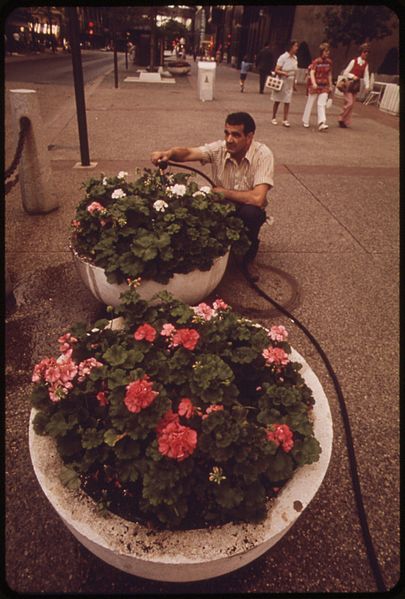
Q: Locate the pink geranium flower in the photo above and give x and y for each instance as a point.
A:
(40, 368)
(102, 398)
(281, 434)
(167, 330)
(169, 417)
(275, 356)
(57, 374)
(86, 366)
(188, 338)
(66, 342)
(177, 441)
(219, 304)
(95, 207)
(139, 394)
(145, 331)
(186, 408)
(57, 392)
(278, 333)
(204, 311)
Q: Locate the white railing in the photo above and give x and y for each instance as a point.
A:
(390, 99)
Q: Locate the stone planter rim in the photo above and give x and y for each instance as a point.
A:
(180, 284)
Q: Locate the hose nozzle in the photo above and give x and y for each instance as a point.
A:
(162, 164)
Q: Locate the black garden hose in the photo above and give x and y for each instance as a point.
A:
(346, 423)
(163, 164)
(343, 408)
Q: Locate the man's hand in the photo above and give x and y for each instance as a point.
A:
(160, 155)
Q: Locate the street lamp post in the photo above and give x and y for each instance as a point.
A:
(78, 83)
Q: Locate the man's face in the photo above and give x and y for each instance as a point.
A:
(237, 143)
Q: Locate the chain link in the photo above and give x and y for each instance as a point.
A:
(25, 124)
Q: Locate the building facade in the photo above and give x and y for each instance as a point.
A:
(244, 29)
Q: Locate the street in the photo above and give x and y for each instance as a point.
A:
(335, 204)
(51, 76)
(57, 70)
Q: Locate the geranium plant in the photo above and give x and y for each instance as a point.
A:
(153, 227)
(182, 417)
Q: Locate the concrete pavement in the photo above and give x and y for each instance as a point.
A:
(331, 255)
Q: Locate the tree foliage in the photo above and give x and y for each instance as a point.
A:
(356, 24)
(172, 29)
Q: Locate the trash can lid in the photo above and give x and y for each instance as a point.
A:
(207, 65)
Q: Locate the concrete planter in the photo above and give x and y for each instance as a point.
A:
(183, 556)
(179, 70)
(191, 288)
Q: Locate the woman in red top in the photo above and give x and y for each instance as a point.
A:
(319, 87)
(356, 70)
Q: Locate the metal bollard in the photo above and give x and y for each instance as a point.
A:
(35, 176)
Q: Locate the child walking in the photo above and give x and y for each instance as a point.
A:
(244, 68)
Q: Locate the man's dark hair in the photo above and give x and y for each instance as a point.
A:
(242, 118)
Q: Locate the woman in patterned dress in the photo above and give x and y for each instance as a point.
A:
(286, 68)
(319, 87)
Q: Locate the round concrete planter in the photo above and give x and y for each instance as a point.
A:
(190, 288)
(183, 556)
(179, 70)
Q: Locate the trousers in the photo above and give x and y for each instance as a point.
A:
(253, 218)
(346, 114)
(321, 103)
(262, 79)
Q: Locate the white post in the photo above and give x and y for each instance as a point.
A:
(35, 175)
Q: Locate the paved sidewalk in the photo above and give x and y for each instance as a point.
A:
(334, 246)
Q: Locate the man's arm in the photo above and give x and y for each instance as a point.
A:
(254, 197)
(177, 154)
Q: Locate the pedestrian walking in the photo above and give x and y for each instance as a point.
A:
(242, 171)
(264, 64)
(319, 87)
(245, 67)
(286, 68)
(132, 52)
(356, 70)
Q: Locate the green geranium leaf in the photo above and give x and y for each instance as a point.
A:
(57, 425)
(116, 355)
(92, 438)
(306, 451)
(69, 478)
(128, 471)
(280, 467)
(228, 496)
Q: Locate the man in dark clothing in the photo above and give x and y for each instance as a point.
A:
(264, 63)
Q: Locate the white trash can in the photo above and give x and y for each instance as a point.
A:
(206, 80)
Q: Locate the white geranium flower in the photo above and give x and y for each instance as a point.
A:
(122, 175)
(205, 189)
(177, 189)
(104, 180)
(160, 205)
(118, 193)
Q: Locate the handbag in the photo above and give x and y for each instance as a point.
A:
(274, 82)
(342, 85)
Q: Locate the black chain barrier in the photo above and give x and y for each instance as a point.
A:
(25, 124)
